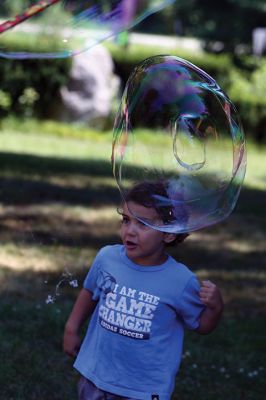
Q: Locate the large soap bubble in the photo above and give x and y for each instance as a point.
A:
(76, 25)
(177, 128)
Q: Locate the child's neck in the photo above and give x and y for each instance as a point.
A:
(150, 261)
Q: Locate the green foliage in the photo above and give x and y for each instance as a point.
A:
(247, 91)
(12, 124)
(242, 78)
(33, 84)
(27, 101)
(55, 16)
(229, 21)
(215, 65)
(5, 102)
(14, 7)
(11, 8)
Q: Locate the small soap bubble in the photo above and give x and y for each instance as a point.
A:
(73, 283)
(67, 277)
(49, 299)
(76, 25)
(177, 130)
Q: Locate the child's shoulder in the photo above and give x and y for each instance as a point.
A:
(109, 250)
(179, 277)
(180, 269)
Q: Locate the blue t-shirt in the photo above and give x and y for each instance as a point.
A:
(134, 341)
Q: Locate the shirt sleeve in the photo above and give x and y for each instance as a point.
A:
(190, 306)
(91, 281)
(95, 279)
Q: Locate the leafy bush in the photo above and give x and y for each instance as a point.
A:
(243, 79)
(247, 91)
(5, 102)
(32, 85)
(14, 7)
(215, 65)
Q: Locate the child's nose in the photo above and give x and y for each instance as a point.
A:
(131, 229)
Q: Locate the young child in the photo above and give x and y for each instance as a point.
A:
(140, 301)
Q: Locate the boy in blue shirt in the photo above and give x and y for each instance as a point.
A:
(140, 301)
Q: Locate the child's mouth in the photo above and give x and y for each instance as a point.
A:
(130, 245)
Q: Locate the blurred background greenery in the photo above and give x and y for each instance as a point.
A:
(224, 33)
(58, 204)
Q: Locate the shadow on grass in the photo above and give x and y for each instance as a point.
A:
(252, 201)
(15, 191)
(47, 165)
(35, 229)
(25, 181)
(44, 166)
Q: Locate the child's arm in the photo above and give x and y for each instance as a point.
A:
(210, 296)
(82, 309)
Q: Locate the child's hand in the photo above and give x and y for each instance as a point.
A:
(210, 295)
(71, 343)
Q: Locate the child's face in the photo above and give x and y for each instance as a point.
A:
(144, 245)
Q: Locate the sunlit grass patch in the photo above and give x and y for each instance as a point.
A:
(79, 142)
(256, 166)
(51, 128)
(52, 145)
(52, 237)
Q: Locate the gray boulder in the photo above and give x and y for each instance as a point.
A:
(91, 95)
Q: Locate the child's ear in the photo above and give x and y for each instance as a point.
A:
(169, 237)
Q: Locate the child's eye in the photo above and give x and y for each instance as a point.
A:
(125, 220)
(141, 223)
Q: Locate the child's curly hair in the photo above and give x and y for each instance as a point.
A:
(146, 194)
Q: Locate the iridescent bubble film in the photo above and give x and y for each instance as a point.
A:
(75, 26)
(177, 128)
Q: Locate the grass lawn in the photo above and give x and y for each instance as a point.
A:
(57, 208)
